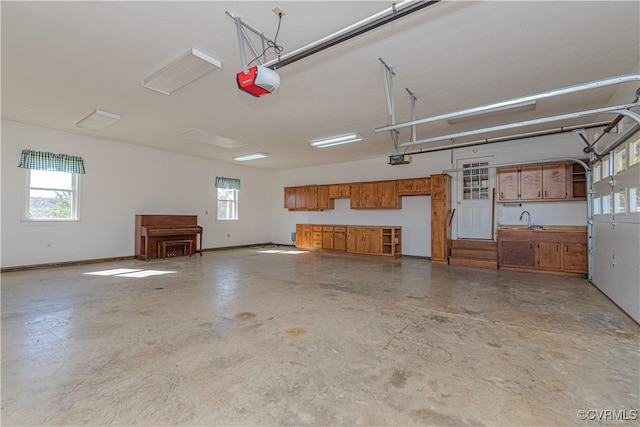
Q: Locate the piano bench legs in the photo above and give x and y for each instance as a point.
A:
(187, 245)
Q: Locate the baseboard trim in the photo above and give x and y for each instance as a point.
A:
(120, 258)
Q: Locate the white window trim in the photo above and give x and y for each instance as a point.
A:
(26, 188)
(235, 204)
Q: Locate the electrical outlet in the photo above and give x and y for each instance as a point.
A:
(278, 11)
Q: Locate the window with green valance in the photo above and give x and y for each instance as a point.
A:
(41, 160)
(227, 183)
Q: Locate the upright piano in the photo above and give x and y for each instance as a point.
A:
(154, 229)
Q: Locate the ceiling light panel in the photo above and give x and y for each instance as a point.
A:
(252, 156)
(200, 135)
(98, 120)
(186, 69)
(336, 140)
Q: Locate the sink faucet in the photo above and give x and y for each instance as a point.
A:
(530, 225)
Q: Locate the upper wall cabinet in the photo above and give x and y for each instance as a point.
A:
(414, 187)
(375, 195)
(307, 198)
(540, 182)
(363, 195)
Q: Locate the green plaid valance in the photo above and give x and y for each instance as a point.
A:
(227, 183)
(44, 161)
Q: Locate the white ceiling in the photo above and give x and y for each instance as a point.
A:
(63, 60)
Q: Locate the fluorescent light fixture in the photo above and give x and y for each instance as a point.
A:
(336, 140)
(252, 156)
(184, 70)
(98, 120)
(506, 109)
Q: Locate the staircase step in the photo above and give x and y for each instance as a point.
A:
(474, 262)
(475, 253)
(474, 244)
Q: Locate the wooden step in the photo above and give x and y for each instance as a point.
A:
(474, 262)
(474, 244)
(475, 253)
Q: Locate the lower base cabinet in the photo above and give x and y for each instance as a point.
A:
(380, 241)
(543, 251)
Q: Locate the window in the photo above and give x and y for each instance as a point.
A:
(51, 193)
(620, 201)
(620, 159)
(228, 189)
(606, 204)
(51, 196)
(597, 206)
(227, 204)
(634, 149)
(597, 172)
(634, 200)
(475, 182)
(606, 167)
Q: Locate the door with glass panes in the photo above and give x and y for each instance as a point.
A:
(475, 185)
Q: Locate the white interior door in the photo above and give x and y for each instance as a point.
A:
(475, 184)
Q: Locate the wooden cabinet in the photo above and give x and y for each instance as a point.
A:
(307, 198)
(362, 195)
(549, 255)
(508, 184)
(339, 191)
(375, 240)
(414, 187)
(554, 181)
(441, 216)
(574, 257)
(541, 182)
(375, 195)
(340, 238)
(304, 234)
(550, 251)
(382, 241)
(515, 253)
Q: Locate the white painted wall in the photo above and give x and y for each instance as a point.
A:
(415, 217)
(122, 180)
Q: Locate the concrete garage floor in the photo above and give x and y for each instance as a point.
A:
(253, 337)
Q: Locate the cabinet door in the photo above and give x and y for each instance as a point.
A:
(301, 198)
(327, 238)
(355, 196)
(508, 184)
(531, 182)
(339, 241)
(354, 237)
(371, 242)
(368, 195)
(554, 181)
(422, 186)
(312, 196)
(324, 202)
(549, 255)
(388, 194)
(290, 197)
(574, 257)
(405, 186)
(299, 235)
(517, 254)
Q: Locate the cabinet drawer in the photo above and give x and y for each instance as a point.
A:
(340, 229)
(316, 243)
(317, 228)
(371, 230)
(317, 235)
(325, 228)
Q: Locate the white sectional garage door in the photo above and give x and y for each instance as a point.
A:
(616, 228)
